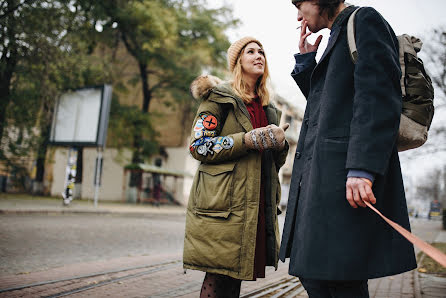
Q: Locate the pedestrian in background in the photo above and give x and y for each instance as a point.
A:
(346, 156)
(231, 223)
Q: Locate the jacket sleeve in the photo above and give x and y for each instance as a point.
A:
(305, 63)
(206, 143)
(377, 101)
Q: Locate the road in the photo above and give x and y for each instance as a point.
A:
(33, 242)
(139, 255)
(38, 242)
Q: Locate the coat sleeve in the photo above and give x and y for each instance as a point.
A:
(305, 63)
(206, 143)
(377, 102)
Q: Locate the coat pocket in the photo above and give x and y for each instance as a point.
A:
(215, 187)
(338, 144)
(212, 241)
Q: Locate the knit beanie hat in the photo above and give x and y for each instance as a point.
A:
(235, 49)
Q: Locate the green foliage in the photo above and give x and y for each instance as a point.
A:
(48, 41)
(49, 46)
(172, 41)
(132, 129)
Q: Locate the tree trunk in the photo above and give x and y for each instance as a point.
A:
(8, 63)
(37, 188)
(135, 177)
(7, 67)
(147, 94)
(4, 101)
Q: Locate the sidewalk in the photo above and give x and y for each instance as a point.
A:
(410, 284)
(19, 204)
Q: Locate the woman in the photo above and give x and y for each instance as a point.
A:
(231, 223)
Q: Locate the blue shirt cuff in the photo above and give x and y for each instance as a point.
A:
(303, 61)
(361, 174)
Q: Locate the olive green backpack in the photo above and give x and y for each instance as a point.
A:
(416, 88)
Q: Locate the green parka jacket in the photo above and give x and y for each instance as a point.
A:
(222, 212)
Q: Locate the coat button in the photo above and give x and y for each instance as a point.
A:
(298, 155)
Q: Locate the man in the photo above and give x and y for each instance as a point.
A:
(346, 156)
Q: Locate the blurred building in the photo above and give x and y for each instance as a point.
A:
(293, 116)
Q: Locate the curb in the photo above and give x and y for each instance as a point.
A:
(90, 212)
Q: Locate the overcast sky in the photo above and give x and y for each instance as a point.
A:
(274, 24)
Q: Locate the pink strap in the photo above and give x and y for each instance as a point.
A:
(431, 251)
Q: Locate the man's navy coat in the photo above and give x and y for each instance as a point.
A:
(351, 122)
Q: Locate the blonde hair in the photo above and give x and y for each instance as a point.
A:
(241, 88)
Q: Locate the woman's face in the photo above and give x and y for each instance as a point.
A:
(253, 60)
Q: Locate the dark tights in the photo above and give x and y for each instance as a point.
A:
(217, 285)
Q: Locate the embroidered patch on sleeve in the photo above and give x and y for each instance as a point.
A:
(198, 125)
(208, 133)
(207, 145)
(225, 142)
(217, 148)
(210, 122)
(205, 148)
(198, 134)
(204, 133)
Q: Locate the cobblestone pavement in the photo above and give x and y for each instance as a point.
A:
(126, 252)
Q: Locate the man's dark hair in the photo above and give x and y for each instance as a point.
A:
(329, 6)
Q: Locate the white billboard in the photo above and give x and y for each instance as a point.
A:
(81, 117)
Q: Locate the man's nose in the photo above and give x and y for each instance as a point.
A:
(299, 17)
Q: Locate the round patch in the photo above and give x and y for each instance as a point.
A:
(227, 143)
(210, 122)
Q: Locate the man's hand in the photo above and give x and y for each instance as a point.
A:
(304, 45)
(359, 190)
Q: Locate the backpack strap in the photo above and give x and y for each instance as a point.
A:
(351, 36)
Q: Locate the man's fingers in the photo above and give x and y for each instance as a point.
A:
(285, 126)
(318, 41)
(370, 194)
(303, 29)
(369, 191)
(357, 197)
(350, 197)
(364, 195)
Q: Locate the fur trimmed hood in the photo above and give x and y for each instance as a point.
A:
(203, 85)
